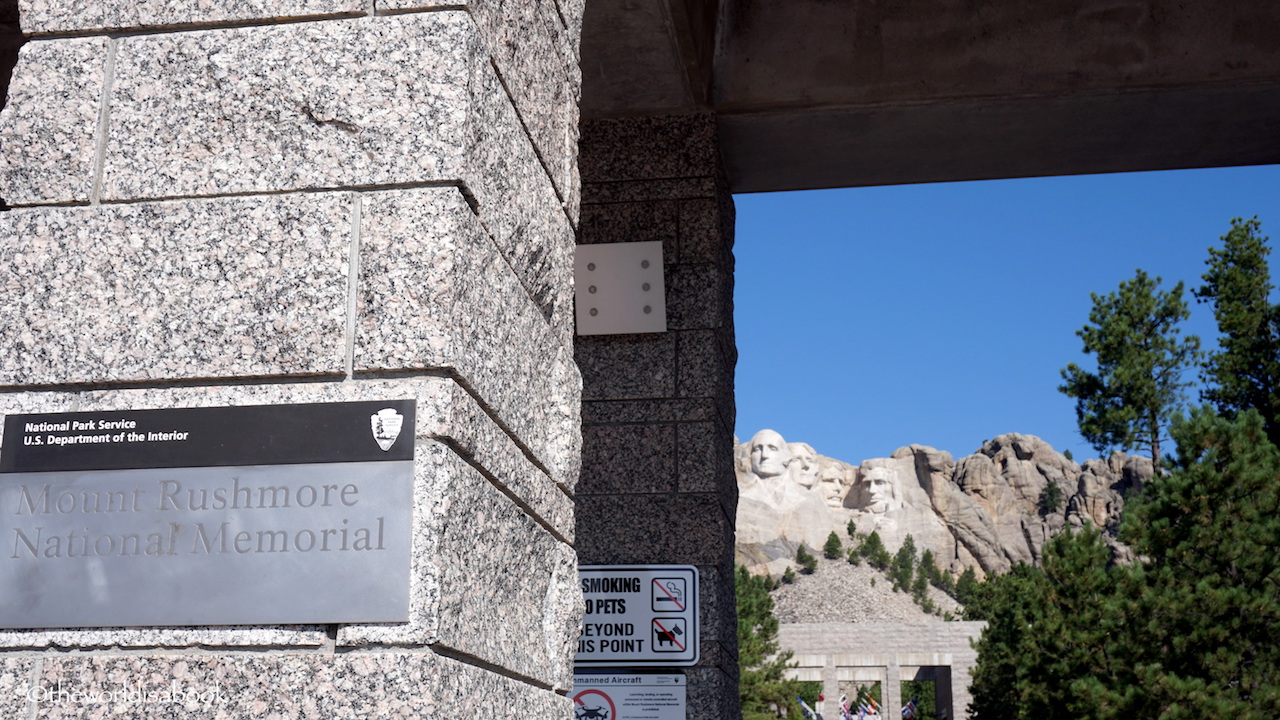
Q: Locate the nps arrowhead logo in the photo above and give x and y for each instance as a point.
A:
(386, 424)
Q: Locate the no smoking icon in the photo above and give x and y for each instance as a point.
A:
(669, 595)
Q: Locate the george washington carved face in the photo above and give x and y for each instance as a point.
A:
(770, 455)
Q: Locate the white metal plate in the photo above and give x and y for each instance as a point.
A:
(619, 288)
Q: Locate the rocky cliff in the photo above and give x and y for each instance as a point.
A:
(982, 511)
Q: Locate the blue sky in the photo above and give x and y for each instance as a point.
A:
(872, 318)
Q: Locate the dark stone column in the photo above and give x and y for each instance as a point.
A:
(657, 482)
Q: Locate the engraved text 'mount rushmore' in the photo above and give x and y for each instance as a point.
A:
(979, 512)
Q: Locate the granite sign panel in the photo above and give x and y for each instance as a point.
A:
(254, 515)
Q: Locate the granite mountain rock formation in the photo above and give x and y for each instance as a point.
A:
(982, 511)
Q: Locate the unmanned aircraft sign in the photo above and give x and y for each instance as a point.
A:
(639, 615)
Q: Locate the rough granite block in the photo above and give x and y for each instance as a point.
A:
(434, 292)
(500, 20)
(401, 99)
(214, 288)
(629, 459)
(508, 591)
(50, 122)
(683, 528)
(646, 410)
(717, 618)
(702, 232)
(564, 440)
(445, 411)
(698, 296)
(529, 52)
(649, 148)
(48, 16)
(702, 460)
(571, 13)
(643, 190)
(15, 680)
(712, 694)
(618, 367)
(655, 221)
(284, 686)
(567, 28)
(703, 370)
(367, 101)
(519, 206)
(479, 438)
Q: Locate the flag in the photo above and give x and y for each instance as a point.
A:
(808, 711)
(909, 710)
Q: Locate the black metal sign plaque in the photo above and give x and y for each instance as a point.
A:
(279, 514)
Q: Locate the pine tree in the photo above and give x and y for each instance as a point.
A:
(1186, 631)
(1138, 386)
(966, 586)
(874, 551)
(1050, 499)
(762, 686)
(903, 566)
(929, 568)
(832, 550)
(1210, 606)
(788, 575)
(1050, 634)
(808, 563)
(920, 589)
(1245, 371)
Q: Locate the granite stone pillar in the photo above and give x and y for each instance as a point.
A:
(288, 201)
(892, 694)
(657, 482)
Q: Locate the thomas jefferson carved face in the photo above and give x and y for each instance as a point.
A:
(804, 464)
(770, 455)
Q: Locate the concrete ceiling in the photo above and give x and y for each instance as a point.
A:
(837, 93)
